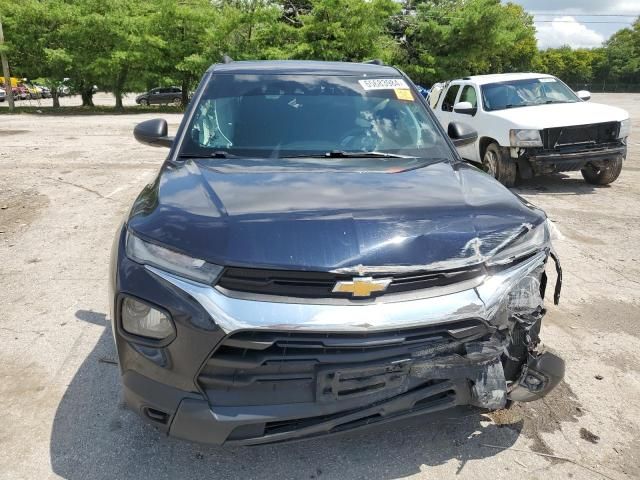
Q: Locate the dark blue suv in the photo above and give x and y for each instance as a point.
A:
(314, 256)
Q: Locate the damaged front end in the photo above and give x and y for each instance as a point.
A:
(292, 368)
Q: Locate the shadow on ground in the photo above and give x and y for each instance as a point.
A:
(94, 436)
(559, 183)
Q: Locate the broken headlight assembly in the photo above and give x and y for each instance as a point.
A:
(528, 241)
(625, 128)
(525, 138)
(171, 261)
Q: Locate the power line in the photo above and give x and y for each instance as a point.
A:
(563, 14)
(584, 21)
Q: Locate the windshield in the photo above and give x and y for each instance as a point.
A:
(524, 93)
(279, 116)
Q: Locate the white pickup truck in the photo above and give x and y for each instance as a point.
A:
(530, 124)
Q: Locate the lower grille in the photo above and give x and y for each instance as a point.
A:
(270, 368)
(580, 135)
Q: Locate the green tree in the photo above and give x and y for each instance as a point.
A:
(349, 30)
(443, 39)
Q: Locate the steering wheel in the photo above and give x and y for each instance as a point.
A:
(356, 139)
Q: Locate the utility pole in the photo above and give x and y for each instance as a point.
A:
(5, 71)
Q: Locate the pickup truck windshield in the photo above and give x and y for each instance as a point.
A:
(281, 116)
(525, 93)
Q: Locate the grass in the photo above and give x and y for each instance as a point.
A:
(97, 110)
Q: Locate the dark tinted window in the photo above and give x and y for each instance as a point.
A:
(450, 98)
(286, 115)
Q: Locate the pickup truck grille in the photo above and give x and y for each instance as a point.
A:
(320, 284)
(268, 367)
(580, 135)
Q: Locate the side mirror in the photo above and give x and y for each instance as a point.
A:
(461, 134)
(584, 95)
(153, 133)
(465, 108)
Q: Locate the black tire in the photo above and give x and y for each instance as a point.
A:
(176, 101)
(497, 162)
(603, 175)
(144, 102)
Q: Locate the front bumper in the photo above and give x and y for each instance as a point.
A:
(572, 158)
(164, 383)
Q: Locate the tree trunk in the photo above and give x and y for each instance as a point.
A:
(121, 78)
(87, 96)
(185, 90)
(56, 98)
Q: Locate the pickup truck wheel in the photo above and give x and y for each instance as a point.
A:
(603, 175)
(498, 164)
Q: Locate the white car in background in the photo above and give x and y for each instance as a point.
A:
(530, 124)
(3, 94)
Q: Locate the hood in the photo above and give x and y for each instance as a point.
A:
(438, 216)
(561, 115)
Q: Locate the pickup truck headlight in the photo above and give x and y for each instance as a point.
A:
(625, 128)
(525, 138)
(171, 261)
(530, 240)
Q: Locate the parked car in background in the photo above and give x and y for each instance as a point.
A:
(34, 92)
(530, 124)
(22, 92)
(314, 257)
(44, 91)
(3, 94)
(160, 95)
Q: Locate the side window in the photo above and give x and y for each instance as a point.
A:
(469, 95)
(450, 98)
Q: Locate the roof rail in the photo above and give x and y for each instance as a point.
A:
(375, 61)
(226, 59)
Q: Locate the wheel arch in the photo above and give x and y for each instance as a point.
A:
(483, 143)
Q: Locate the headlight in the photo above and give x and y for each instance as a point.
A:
(526, 243)
(151, 254)
(140, 319)
(525, 138)
(625, 128)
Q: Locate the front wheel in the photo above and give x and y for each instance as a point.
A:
(144, 102)
(603, 175)
(498, 164)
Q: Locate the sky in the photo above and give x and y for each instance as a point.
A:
(570, 22)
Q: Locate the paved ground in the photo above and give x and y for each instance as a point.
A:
(65, 183)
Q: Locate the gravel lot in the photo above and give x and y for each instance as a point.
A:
(65, 184)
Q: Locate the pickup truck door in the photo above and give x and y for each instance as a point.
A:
(444, 109)
(468, 93)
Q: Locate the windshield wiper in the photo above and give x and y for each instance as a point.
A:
(216, 154)
(345, 154)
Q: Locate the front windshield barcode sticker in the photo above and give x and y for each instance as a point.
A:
(383, 84)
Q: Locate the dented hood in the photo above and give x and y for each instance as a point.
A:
(555, 115)
(316, 219)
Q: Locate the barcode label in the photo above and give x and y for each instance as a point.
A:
(383, 83)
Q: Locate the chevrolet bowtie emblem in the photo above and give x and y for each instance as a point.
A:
(362, 286)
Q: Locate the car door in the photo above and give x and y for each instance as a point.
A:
(468, 93)
(445, 108)
(155, 95)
